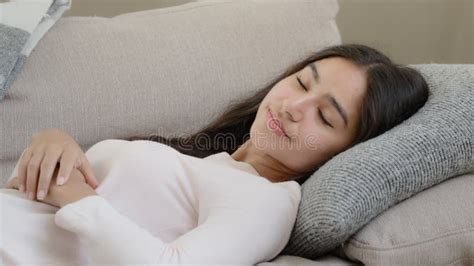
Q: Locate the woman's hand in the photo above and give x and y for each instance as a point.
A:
(48, 149)
(59, 196)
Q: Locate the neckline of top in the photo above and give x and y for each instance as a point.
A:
(225, 156)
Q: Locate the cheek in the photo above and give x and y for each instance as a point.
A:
(313, 149)
(280, 91)
(312, 138)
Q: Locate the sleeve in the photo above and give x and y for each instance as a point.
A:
(102, 155)
(227, 236)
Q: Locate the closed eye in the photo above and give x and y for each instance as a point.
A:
(301, 84)
(324, 119)
(319, 110)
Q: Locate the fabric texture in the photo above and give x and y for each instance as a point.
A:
(151, 71)
(22, 25)
(358, 184)
(287, 260)
(434, 227)
(155, 205)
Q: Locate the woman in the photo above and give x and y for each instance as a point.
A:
(236, 204)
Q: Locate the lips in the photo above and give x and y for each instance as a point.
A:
(278, 123)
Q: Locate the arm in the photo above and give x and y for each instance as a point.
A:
(228, 235)
(58, 196)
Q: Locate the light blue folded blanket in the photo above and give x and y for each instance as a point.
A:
(22, 24)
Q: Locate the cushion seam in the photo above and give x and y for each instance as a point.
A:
(164, 12)
(360, 244)
(461, 259)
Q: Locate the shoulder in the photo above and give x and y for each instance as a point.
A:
(271, 218)
(108, 145)
(291, 189)
(114, 146)
(276, 201)
(286, 195)
(114, 149)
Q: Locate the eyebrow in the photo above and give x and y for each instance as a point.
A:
(314, 71)
(329, 97)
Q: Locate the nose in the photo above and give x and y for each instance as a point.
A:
(297, 108)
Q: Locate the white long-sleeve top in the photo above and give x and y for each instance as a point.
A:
(158, 206)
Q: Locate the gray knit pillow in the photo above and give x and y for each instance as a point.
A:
(358, 184)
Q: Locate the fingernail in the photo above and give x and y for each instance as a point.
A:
(22, 188)
(60, 181)
(30, 195)
(41, 195)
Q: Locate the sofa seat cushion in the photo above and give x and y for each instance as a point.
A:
(434, 227)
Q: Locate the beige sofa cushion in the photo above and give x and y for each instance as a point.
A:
(434, 227)
(166, 71)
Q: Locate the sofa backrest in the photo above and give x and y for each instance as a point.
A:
(168, 71)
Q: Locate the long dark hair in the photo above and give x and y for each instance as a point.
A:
(394, 93)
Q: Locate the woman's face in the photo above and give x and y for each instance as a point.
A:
(319, 122)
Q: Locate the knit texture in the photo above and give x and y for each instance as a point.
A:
(12, 41)
(16, 44)
(358, 184)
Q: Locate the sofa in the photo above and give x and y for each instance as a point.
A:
(170, 71)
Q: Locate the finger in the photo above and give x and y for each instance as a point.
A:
(88, 172)
(48, 165)
(32, 174)
(68, 159)
(22, 168)
(78, 163)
